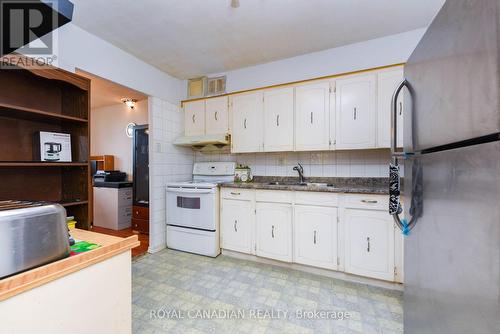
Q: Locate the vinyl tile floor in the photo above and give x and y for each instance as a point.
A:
(176, 292)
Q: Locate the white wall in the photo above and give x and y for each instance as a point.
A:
(364, 55)
(107, 132)
(80, 49)
(167, 163)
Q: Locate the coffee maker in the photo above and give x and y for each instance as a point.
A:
(51, 151)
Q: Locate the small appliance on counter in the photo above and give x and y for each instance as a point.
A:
(243, 174)
(109, 176)
(31, 234)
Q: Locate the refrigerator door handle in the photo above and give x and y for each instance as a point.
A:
(395, 208)
(394, 118)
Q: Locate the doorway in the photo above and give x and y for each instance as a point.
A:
(120, 161)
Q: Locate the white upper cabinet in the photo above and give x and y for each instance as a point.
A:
(387, 83)
(369, 243)
(278, 119)
(194, 118)
(247, 128)
(355, 112)
(216, 115)
(312, 104)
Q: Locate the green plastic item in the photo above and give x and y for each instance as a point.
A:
(83, 246)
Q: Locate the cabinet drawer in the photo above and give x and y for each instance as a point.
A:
(369, 201)
(141, 212)
(315, 198)
(140, 225)
(125, 197)
(274, 196)
(236, 193)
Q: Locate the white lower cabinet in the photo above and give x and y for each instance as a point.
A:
(237, 225)
(274, 231)
(369, 243)
(315, 236)
(345, 232)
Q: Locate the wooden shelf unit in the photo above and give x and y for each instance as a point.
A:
(52, 100)
(104, 162)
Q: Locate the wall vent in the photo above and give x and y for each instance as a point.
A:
(216, 86)
(196, 87)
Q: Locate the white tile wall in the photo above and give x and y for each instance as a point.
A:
(167, 163)
(360, 163)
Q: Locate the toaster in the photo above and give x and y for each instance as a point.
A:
(31, 234)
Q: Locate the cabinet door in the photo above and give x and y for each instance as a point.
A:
(274, 231)
(369, 243)
(216, 115)
(278, 120)
(312, 104)
(355, 112)
(247, 132)
(315, 236)
(387, 83)
(237, 225)
(194, 118)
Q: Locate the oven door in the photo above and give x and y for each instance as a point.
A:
(191, 208)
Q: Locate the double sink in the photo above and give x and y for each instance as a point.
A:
(303, 184)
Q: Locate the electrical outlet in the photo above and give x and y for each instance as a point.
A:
(282, 160)
(316, 158)
(158, 147)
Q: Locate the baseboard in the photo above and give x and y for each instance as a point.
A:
(317, 271)
(157, 248)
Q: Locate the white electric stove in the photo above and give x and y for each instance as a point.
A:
(193, 209)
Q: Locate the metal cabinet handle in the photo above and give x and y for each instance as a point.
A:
(233, 193)
(277, 120)
(400, 108)
(311, 117)
(394, 117)
(368, 244)
(235, 227)
(272, 232)
(193, 117)
(369, 201)
(245, 123)
(215, 115)
(355, 113)
(314, 237)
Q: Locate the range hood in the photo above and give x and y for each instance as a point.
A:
(219, 140)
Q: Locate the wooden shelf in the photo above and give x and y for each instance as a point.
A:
(50, 100)
(44, 164)
(74, 203)
(9, 110)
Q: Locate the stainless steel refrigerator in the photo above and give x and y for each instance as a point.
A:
(451, 158)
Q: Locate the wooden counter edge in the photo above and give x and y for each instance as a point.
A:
(28, 280)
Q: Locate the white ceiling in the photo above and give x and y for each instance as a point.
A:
(189, 38)
(104, 93)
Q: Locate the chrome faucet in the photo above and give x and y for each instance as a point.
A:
(300, 170)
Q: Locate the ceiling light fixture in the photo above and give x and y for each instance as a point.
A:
(131, 103)
(235, 3)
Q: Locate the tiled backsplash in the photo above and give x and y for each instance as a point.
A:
(361, 163)
(167, 163)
